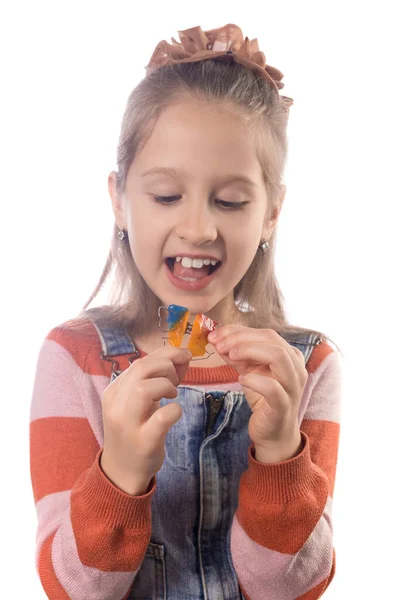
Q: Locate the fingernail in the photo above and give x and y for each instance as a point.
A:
(187, 352)
(212, 336)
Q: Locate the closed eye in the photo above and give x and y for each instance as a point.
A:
(223, 203)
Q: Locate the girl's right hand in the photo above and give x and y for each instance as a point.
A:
(135, 426)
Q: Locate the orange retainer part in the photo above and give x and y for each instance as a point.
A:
(201, 327)
(175, 335)
(177, 326)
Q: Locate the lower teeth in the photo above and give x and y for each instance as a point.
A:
(187, 278)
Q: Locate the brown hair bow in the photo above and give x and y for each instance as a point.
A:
(223, 43)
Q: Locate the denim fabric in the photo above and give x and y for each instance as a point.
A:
(189, 555)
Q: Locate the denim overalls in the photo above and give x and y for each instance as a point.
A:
(206, 452)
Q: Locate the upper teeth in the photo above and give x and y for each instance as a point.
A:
(197, 263)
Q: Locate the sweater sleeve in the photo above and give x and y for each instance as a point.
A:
(91, 536)
(281, 536)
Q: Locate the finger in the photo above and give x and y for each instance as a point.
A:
(162, 420)
(180, 358)
(145, 398)
(177, 355)
(149, 367)
(230, 335)
(223, 331)
(268, 388)
(235, 335)
(275, 357)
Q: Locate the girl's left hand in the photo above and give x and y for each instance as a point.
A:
(273, 376)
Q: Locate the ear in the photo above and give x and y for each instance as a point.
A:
(116, 200)
(270, 225)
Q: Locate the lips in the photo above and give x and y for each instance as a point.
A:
(191, 286)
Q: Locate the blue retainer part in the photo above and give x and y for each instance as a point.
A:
(175, 313)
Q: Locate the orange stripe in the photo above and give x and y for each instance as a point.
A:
(126, 546)
(61, 448)
(318, 355)
(283, 527)
(48, 578)
(84, 345)
(245, 596)
(316, 592)
(324, 443)
(77, 341)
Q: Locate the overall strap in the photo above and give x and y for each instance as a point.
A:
(114, 342)
(303, 341)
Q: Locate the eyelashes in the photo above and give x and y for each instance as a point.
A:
(167, 200)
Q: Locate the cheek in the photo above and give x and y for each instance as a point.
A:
(240, 260)
(147, 232)
(145, 250)
(243, 253)
(245, 262)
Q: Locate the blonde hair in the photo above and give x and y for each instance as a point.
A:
(132, 305)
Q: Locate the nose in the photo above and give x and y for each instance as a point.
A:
(196, 225)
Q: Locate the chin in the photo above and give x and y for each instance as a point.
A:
(194, 305)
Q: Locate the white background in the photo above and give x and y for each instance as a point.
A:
(66, 72)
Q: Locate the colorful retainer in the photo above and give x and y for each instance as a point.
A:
(175, 321)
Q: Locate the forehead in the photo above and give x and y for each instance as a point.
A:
(195, 136)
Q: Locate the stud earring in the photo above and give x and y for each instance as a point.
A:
(264, 246)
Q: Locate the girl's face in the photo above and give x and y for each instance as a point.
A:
(201, 163)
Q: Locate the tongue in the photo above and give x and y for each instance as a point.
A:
(180, 271)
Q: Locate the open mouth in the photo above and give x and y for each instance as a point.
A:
(211, 268)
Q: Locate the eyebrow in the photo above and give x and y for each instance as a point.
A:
(174, 173)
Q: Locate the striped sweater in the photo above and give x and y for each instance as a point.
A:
(92, 536)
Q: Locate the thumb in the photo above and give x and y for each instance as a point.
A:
(163, 419)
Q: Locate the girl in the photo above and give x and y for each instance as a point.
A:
(156, 475)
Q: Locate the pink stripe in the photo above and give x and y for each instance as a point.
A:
(95, 384)
(78, 394)
(50, 511)
(79, 581)
(323, 391)
(60, 378)
(268, 575)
